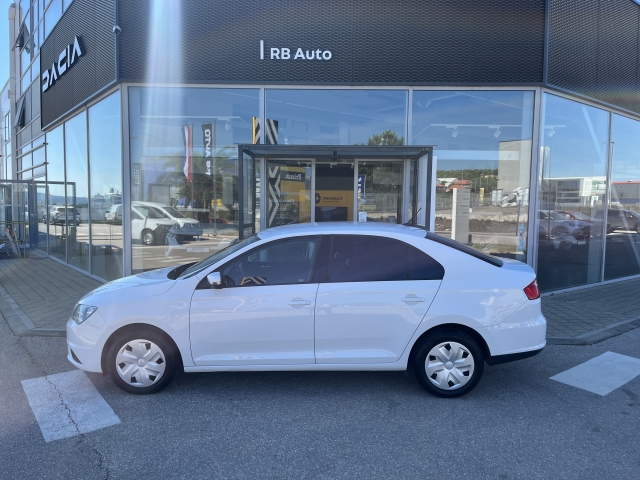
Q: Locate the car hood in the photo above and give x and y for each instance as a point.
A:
(189, 222)
(148, 284)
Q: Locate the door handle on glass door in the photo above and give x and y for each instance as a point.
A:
(412, 299)
(298, 302)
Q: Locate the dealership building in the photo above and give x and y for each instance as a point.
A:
(144, 134)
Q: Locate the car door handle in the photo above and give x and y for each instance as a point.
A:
(412, 299)
(298, 302)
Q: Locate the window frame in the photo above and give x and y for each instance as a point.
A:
(312, 274)
(404, 244)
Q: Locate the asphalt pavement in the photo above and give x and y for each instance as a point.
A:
(518, 423)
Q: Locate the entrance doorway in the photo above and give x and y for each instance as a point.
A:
(302, 184)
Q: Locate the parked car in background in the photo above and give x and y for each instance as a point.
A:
(328, 296)
(620, 219)
(185, 228)
(558, 227)
(596, 229)
(62, 215)
(149, 224)
(114, 214)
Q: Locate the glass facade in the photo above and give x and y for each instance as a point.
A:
(83, 182)
(105, 152)
(336, 117)
(574, 150)
(184, 171)
(188, 196)
(622, 253)
(483, 147)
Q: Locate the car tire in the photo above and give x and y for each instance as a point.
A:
(448, 364)
(159, 355)
(147, 237)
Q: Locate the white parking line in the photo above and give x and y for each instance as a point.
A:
(67, 404)
(602, 374)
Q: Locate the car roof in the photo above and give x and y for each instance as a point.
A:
(344, 228)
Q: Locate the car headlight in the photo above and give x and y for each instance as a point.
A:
(82, 312)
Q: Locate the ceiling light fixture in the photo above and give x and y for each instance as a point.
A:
(454, 132)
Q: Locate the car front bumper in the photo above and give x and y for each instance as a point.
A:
(85, 343)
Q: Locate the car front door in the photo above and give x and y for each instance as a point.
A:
(377, 292)
(264, 312)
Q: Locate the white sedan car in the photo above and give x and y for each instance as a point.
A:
(332, 296)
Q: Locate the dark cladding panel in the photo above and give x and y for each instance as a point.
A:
(594, 50)
(618, 53)
(505, 41)
(573, 45)
(311, 26)
(460, 41)
(92, 23)
(371, 41)
(413, 41)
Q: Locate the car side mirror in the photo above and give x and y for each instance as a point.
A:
(215, 280)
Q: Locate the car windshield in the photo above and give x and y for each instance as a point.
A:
(173, 212)
(216, 257)
(151, 212)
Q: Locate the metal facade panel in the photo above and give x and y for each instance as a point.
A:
(92, 22)
(618, 53)
(594, 50)
(372, 41)
(573, 45)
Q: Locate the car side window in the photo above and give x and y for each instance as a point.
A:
(360, 258)
(135, 215)
(281, 262)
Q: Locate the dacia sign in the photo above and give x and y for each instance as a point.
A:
(66, 59)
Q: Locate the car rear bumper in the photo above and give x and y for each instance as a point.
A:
(512, 357)
(522, 333)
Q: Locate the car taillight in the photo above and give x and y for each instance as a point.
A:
(532, 291)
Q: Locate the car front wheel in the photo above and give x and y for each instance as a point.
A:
(148, 238)
(448, 364)
(142, 361)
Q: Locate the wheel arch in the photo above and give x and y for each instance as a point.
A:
(133, 326)
(479, 339)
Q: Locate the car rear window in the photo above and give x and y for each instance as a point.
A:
(495, 261)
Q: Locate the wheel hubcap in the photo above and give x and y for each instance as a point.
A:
(449, 365)
(140, 363)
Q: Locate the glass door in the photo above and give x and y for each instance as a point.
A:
(288, 192)
(334, 192)
(380, 191)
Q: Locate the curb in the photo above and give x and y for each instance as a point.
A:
(596, 336)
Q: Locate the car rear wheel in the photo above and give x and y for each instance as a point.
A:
(148, 238)
(142, 361)
(448, 364)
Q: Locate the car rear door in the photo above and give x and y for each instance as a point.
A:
(377, 292)
(264, 313)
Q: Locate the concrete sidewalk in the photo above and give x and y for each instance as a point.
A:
(37, 296)
(590, 315)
